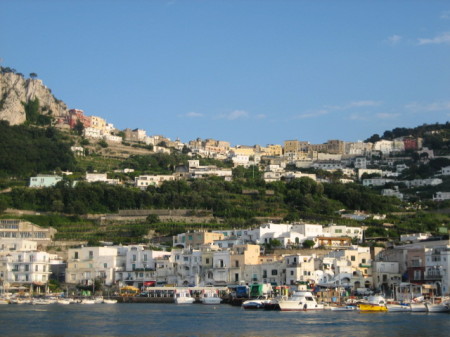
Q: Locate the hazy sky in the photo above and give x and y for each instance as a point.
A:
(248, 72)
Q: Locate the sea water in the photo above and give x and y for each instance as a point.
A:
(149, 319)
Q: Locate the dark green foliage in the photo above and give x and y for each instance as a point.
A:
(26, 151)
(103, 143)
(158, 163)
(79, 128)
(308, 244)
(32, 110)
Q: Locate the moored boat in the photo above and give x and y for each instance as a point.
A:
(398, 307)
(344, 308)
(109, 301)
(183, 296)
(87, 301)
(210, 296)
(375, 303)
(299, 301)
(256, 303)
(437, 307)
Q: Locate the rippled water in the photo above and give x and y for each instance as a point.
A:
(200, 320)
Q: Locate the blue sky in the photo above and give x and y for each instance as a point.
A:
(248, 72)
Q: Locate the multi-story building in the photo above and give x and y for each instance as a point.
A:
(76, 115)
(31, 269)
(300, 268)
(386, 276)
(19, 229)
(342, 231)
(437, 268)
(196, 239)
(86, 264)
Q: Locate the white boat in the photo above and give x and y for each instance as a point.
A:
(183, 297)
(418, 307)
(256, 303)
(210, 296)
(63, 301)
(437, 307)
(344, 308)
(98, 299)
(41, 301)
(4, 301)
(87, 301)
(299, 301)
(109, 301)
(398, 307)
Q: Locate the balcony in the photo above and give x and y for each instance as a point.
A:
(433, 276)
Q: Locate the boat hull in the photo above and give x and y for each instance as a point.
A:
(372, 307)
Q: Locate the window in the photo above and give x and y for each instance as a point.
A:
(91, 254)
(236, 277)
(274, 272)
(75, 255)
(207, 260)
(292, 273)
(264, 273)
(363, 260)
(353, 258)
(237, 263)
(417, 275)
(105, 265)
(145, 257)
(36, 268)
(134, 257)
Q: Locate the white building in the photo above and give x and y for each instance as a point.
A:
(440, 196)
(92, 133)
(341, 231)
(445, 171)
(101, 177)
(86, 264)
(152, 180)
(27, 268)
(43, 180)
(437, 268)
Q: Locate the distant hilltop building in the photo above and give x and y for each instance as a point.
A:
(19, 229)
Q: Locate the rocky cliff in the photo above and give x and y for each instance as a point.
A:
(15, 91)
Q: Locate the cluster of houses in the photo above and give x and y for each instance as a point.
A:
(353, 159)
(228, 257)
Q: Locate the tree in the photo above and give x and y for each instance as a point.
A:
(3, 205)
(33, 75)
(79, 127)
(153, 218)
(308, 244)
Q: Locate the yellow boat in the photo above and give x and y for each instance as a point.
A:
(372, 307)
(375, 303)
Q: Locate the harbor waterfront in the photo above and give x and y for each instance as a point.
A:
(151, 319)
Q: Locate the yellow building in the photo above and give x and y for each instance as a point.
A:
(196, 239)
(98, 123)
(243, 151)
